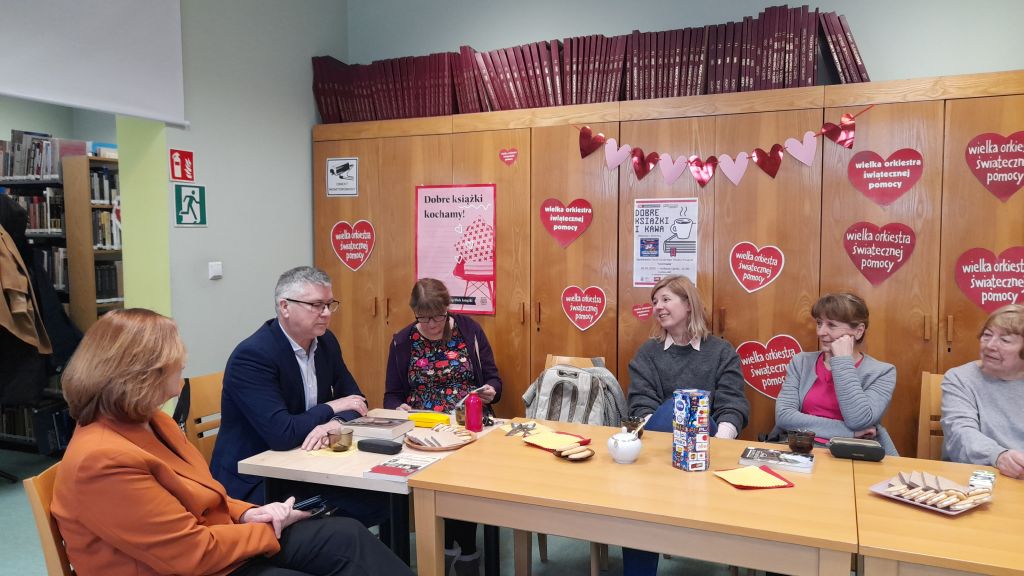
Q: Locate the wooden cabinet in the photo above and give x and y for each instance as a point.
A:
(475, 160)
(973, 217)
(90, 257)
(591, 260)
(902, 307)
(784, 211)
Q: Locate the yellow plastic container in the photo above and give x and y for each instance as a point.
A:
(429, 419)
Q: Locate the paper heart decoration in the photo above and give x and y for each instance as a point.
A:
(997, 162)
(803, 151)
(884, 181)
(508, 156)
(764, 366)
(566, 223)
(353, 243)
(589, 141)
(703, 171)
(753, 267)
(583, 307)
(643, 311)
(990, 281)
(734, 169)
(769, 161)
(614, 155)
(671, 171)
(642, 165)
(878, 252)
(842, 134)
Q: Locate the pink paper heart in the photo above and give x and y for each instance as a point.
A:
(614, 155)
(803, 151)
(671, 171)
(734, 169)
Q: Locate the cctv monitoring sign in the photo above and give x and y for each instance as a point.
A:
(343, 176)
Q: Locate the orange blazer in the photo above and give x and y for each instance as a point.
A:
(126, 503)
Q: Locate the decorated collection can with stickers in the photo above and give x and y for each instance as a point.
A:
(691, 447)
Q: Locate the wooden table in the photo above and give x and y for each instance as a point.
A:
(901, 539)
(808, 529)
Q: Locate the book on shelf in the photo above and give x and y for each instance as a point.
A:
(383, 428)
(399, 468)
(779, 459)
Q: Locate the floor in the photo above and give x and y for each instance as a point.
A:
(22, 556)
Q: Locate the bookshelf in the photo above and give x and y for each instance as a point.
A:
(93, 238)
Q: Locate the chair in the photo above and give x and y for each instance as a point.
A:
(598, 552)
(479, 279)
(39, 490)
(202, 397)
(929, 429)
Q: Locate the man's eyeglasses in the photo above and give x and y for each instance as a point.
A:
(428, 319)
(318, 307)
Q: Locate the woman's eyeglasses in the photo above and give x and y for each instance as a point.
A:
(434, 319)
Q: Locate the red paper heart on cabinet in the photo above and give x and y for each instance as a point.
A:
(764, 367)
(753, 267)
(583, 307)
(997, 162)
(508, 156)
(703, 171)
(566, 223)
(842, 134)
(878, 252)
(991, 282)
(884, 181)
(643, 311)
(590, 141)
(642, 165)
(353, 243)
(769, 161)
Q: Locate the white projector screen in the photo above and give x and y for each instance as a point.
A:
(116, 56)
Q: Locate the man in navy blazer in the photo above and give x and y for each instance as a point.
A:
(287, 386)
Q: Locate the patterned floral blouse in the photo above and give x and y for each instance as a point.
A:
(440, 372)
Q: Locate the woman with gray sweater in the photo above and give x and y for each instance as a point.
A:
(839, 390)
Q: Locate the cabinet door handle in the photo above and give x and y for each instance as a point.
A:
(721, 321)
(949, 329)
(373, 311)
(522, 312)
(538, 314)
(387, 308)
(927, 327)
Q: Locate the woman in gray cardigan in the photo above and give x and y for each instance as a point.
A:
(838, 391)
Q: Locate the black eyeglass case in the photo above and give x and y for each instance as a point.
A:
(856, 449)
(379, 446)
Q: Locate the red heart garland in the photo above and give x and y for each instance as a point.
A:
(769, 161)
(842, 134)
(703, 171)
(589, 142)
(643, 165)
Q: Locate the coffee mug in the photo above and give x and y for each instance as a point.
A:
(339, 440)
(801, 441)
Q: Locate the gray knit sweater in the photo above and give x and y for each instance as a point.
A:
(864, 393)
(981, 416)
(654, 373)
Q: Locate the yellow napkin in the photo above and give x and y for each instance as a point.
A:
(326, 451)
(750, 477)
(551, 440)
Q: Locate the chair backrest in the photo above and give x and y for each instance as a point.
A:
(203, 420)
(929, 427)
(39, 490)
(575, 361)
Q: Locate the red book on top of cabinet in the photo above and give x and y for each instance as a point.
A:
(849, 65)
(858, 62)
(556, 71)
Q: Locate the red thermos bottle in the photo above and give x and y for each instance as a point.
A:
(474, 413)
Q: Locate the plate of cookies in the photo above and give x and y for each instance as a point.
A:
(932, 492)
(440, 438)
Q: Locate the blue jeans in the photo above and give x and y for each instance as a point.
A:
(641, 562)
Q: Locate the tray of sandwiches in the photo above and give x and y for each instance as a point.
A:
(932, 492)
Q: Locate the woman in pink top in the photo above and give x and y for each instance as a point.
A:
(839, 390)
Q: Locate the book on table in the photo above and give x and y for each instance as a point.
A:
(377, 427)
(400, 467)
(778, 459)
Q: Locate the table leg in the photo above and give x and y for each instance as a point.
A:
(492, 550)
(400, 526)
(429, 535)
(523, 551)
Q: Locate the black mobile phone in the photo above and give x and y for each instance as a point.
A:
(321, 511)
(311, 503)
